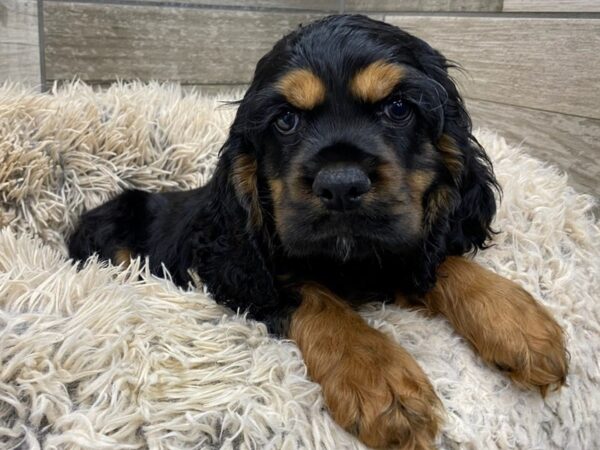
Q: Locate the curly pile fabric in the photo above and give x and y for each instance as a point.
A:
(114, 358)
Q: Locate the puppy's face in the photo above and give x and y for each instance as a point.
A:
(351, 140)
(348, 159)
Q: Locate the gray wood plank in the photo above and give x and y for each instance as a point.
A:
(306, 5)
(551, 6)
(193, 46)
(569, 142)
(543, 63)
(19, 42)
(423, 5)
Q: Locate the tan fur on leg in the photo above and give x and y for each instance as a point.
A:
(372, 386)
(503, 322)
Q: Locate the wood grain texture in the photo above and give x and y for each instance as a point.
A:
(423, 5)
(551, 6)
(192, 46)
(19, 42)
(569, 142)
(306, 5)
(541, 63)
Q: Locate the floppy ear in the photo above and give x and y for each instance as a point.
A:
(230, 251)
(472, 205)
(460, 208)
(241, 174)
(469, 192)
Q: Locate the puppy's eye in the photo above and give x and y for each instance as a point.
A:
(397, 111)
(287, 122)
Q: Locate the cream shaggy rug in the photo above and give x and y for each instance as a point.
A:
(101, 359)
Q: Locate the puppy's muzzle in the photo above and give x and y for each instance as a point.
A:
(341, 187)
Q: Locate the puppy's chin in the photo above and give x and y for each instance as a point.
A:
(344, 244)
(337, 248)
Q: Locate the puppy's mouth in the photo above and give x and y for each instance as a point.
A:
(347, 236)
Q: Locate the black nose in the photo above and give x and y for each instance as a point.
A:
(341, 187)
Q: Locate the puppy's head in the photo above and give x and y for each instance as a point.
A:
(352, 140)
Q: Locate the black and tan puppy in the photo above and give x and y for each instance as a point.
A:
(350, 175)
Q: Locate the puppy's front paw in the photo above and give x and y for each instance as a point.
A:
(372, 386)
(526, 342)
(379, 393)
(504, 323)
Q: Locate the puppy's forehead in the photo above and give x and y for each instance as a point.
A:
(343, 57)
(305, 88)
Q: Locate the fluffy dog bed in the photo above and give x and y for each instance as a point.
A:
(114, 358)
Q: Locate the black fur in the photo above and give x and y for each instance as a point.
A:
(210, 230)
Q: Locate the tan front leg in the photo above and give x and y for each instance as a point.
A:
(502, 321)
(372, 386)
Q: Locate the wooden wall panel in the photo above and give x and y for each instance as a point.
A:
(532, 77)
(569, 142)
(542, 63)
(551, 5)
(19, 42)
(423, 5)
(192, 46)
(310, 5)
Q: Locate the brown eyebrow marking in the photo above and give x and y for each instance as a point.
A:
(376, 81)
(302, 89)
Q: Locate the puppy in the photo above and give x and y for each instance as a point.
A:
(350, 175)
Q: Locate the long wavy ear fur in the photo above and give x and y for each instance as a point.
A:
(470, 222)
(231, 250)
(242, 168)
(460, 210)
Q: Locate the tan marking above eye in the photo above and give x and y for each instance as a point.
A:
(302, 89)
(376, 81)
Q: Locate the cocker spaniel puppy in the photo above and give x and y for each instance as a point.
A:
(350, 175)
